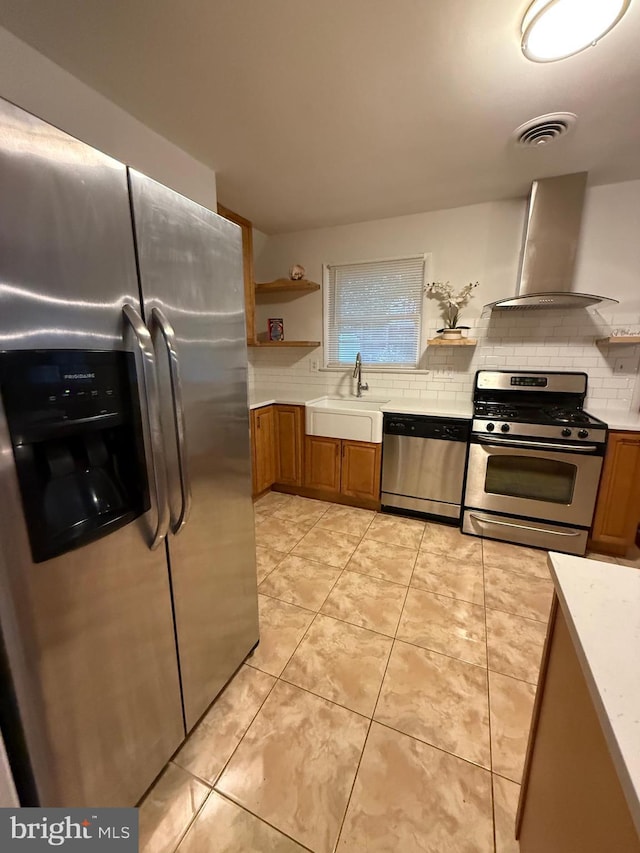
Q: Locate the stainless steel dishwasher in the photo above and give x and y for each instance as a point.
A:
(423, 464)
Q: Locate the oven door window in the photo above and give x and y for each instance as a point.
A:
(530, 477)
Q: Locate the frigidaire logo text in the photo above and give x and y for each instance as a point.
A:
(57, 832)
(79, 376)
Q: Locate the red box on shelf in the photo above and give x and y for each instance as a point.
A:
(276, 329)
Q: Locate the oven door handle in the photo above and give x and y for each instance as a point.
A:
(538, 445)
(484, 520)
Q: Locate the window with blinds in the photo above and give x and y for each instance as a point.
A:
(374, 308)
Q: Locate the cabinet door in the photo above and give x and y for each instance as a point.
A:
(361, 469)
(322, 463)
(263, 448)
(618, 505)
(289, 422)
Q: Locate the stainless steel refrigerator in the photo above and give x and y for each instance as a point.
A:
(127, 560)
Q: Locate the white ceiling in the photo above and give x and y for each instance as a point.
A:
(323, 112)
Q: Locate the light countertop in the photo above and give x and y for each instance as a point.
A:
(601, 604)
(617, 419)
(402, 406)
(435, 407)
(285, 396)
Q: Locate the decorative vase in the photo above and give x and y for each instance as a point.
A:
(452, 334)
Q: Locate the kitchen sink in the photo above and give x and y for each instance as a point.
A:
(354, 418)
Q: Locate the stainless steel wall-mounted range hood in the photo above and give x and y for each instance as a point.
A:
(551, 234)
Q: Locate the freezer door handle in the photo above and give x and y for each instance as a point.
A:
(168, 335)
(156, 465)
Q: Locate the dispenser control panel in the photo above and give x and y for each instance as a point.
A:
(42, 387)
(75, 425)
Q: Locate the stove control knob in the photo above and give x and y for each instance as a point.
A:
(583, 433)
(505, 427)
(491, 427)
(566, 432)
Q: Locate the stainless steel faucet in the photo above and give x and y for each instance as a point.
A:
(357, 374)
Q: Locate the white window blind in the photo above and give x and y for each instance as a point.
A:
(374, 308)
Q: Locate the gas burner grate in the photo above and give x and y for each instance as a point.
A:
(568, 416)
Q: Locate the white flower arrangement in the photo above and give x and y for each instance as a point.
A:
(451, 302)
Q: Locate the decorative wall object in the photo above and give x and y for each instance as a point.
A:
(296, 272)
(276, 329)
(450, 302)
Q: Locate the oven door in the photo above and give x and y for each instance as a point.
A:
(536, 481)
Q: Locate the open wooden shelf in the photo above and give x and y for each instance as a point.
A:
(286, 285)
(284, 344)
(448, 342)
(620, 339)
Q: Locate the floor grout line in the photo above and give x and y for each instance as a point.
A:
(411, 584)
(394, 639)
(331, 616)
(191, 773)
(486, 639)
(268, 693)
(230, 799)
(353, 784)
(364, 746)
(402, 639)
(193, 819)
(435, 746)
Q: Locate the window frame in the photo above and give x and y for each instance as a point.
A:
(425, 257)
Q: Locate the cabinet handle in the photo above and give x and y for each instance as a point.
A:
(258, 421)
(343, 448)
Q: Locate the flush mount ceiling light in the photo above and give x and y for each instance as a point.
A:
(555, 29)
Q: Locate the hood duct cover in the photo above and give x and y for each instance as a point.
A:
(552, 231)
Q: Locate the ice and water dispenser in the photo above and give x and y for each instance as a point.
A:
(74, 421)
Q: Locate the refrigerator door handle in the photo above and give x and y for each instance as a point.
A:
(156, 468)
(168, 335)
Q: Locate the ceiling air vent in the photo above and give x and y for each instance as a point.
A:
(544, 129)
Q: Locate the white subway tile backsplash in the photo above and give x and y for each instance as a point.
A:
(526, 341)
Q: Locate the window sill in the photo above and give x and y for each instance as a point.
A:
(365, 369)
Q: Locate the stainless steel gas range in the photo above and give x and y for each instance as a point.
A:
(534, 461)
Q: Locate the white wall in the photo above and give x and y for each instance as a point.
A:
(476, 243)
(480, 242)
(609, 253)
(33, 82)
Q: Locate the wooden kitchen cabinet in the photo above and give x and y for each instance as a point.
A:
(338, 467)
(263, 448)
(311, 465)
(322, 463)
(361, 467)
(289, 441)
(617, 512)
(277, 442)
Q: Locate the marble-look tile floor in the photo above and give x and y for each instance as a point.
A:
(387, 707)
